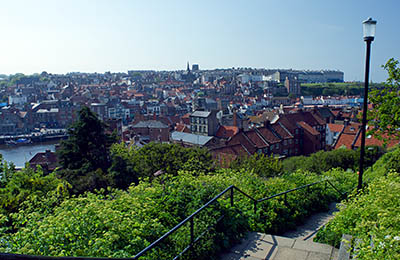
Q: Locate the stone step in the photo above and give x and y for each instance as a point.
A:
(258, 246)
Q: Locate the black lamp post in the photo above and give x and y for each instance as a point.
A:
(369, 27)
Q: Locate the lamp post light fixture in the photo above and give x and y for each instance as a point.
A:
(369, 27)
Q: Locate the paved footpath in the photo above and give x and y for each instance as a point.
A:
(292, 245)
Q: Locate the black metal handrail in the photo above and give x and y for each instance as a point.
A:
(231, 189)
(190, 219)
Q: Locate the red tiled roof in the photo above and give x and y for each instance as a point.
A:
(308, 128)
(290, 120)
(227, 131)
(318, 119)
(335, 112)
(281, 130)
(352, 128)
(242, 139)
(268, 135)
(182, 128)
(256, 139)
(336, 128)
(48, 159)
(237, 149)
(348, 136)
(345, 140)
(371, 140)
(346, 115)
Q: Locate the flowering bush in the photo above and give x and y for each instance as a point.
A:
(121, 223)
(372, 217)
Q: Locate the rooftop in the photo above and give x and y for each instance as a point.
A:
(201, 113)
(190, 138)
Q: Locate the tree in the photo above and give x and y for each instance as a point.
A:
(121, 169)
(260, 164)
(86, 146)
(27, 186)
(128, 165)
(385, 113)
(84, 156)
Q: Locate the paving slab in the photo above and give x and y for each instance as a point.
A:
(313, 247)
(233, 256)
(318, 256)
(285, 253)
(240, 248)
(295, 245)
(279, 241)
(260, 249)
(309, 229)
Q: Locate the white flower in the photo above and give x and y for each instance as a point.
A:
(397, 238)
(388, 237)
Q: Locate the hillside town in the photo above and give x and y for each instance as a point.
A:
(232, 112)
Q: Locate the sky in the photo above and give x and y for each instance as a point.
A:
(60, 36)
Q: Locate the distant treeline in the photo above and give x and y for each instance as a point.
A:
(331, 89)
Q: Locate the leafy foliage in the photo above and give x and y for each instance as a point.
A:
(324, 160)
(84, 156)
(121, 223)
(26, 185)
(86, 146)
(332, 89)
(373, 214)
(260, 164)
(169, 158)
(372, 217)
(385, 112)
(390, 161)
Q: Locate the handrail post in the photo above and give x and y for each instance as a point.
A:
(192, 236)
(232, 196)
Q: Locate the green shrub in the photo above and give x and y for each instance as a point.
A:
(323, 161)
(260, 164)
(121, 223)
(388, 162)
(373, 217)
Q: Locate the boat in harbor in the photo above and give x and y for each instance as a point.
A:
(19, 141)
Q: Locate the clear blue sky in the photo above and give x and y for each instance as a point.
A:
(97, 36)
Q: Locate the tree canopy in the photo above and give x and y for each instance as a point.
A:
(385, 113)
(84, 156)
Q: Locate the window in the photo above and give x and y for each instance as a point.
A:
(277, 146)
(290, 141)
(296, 131)
(272, 146)
(296, 141)
(285, 142)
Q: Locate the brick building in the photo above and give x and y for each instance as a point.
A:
(151, 130)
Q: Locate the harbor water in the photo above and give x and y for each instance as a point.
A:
(20, 154)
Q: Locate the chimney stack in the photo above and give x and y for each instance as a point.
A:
(234, 118)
